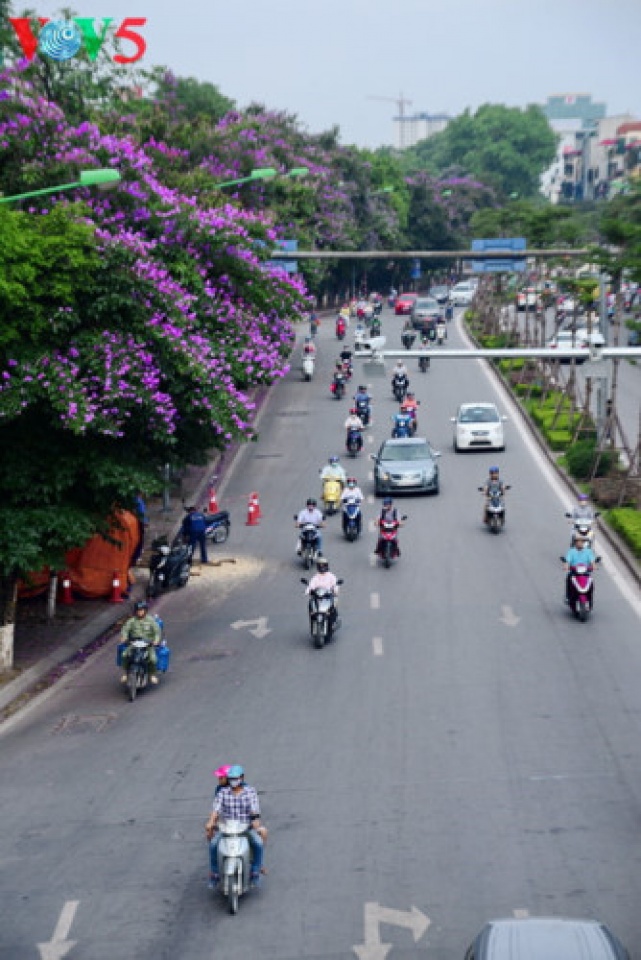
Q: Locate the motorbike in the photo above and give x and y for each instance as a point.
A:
(495, 508)
(347, 367)
(354, 441)
(580, 593)
(308, 544)
(402, 425)
(375, 328)
(218, 524)
(387, 549)
(583, 527)
(440, 333)
(378, 308)
(308, 366)
(424, 363)
(234, 861)
(399, 387)
(407, 339)
(323, 620)
(138, 662)
(332, 489)
(363, 410)
(341, 328)
(337, 386)
(169, 566)
(351, 517)
(412, 413)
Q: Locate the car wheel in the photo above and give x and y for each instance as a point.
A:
(455, 447)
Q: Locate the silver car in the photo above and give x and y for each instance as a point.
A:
(406, 465)
(542, 938)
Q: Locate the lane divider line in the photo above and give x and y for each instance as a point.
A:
(375, 601)
(377, 646)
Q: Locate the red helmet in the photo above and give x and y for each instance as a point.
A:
(353, 411)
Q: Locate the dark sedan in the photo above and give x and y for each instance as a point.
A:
(406, 465)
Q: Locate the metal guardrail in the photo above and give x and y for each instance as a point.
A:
(366, 350)
(425, 254)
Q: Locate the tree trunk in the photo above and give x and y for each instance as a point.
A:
(8, 598)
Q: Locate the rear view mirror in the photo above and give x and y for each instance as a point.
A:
(404, 517)
(304, 580)
(339, 583)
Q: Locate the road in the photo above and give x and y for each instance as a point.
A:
(463, 748)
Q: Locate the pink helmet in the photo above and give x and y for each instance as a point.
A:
(222, 771)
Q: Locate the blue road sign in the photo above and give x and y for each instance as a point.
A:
(291, 266)
(415, 273)
(498, 265)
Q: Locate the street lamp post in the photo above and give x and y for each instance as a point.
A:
(265, 173)
(88, 178)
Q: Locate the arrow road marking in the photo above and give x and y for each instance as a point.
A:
(59, 946)
(509, 618)
(374, 916)
(260, 626)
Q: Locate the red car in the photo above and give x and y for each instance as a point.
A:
(404, 303)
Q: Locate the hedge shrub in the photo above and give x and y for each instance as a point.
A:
(627, 522)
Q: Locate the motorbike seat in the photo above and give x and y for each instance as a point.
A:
(221, 517)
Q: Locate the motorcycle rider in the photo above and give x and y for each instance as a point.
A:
(410, 407)
(333, 470)
(441, 330)
(221, 773)
(399, 373)
(492, 483)
(352, 492)
(362, 397)
(581, 552)
(582, 509)
(142, 626)
(354, 422)
(389, 514)
(236, 801)
(311, 514)
(309, 347)
(324, 579)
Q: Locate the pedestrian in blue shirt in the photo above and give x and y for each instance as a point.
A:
(193, 529)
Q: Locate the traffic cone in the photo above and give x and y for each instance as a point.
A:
(252, 513)
(66, 597)
(256, 501)
(213, 502)
(116, 591)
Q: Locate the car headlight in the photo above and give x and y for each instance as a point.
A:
(384, 476)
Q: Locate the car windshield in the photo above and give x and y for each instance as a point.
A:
(478, 415)
(409, 451)
(426, 304)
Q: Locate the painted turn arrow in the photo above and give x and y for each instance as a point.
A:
(59, 946)
(509, 618)
(374, 916)
(260, 626)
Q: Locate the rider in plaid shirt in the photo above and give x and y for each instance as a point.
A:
(236, 801)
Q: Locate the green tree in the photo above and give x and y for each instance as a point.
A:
(505, 147)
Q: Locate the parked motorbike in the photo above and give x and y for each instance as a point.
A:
(363, 411)
(234, 861)
(169, 566)
(308, 366)
(323, 620)
(337, 386)
(308, 544)
(399, 387)
(351, 518)
(402, 425)
(218, 524)
(354, 441)
(580, 593)
(495, 508)
(332, 489)
(138, 662)
(387, 549)
(583, 527)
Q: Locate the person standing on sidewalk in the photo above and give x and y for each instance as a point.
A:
(193, 529)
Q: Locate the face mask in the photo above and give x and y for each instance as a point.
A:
(234, 783)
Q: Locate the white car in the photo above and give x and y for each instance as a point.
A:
(478, 426)
(462, 294)
(580, 338)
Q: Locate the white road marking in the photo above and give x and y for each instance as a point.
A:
(370, 438)
(521, 914)
(375, 601)
(373, 559)
(260, 626)
(370, 498)
(59, 946)
(373, 947)
(508, 617)
(370, 475)
(372, 526)
(377, 646)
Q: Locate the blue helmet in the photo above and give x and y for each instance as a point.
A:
(235, 773)
(494, 469)
(387, 502)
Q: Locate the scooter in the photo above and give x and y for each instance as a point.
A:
(351, 518)
(375, 328)
(399, 387)
(580, 593)
(234, 861)
(332, 489)
(308, 366)
(495, 508)
(387, 549)
(308, 544)
(423, 363)
(218, 524)
(138, 662)
(341, 328)
(323, 620)
(169, 566)
(412, 413)
(407, 339)
(354, 441)
(402, 425)
(440, 333)
(363, 411)
(337, 386)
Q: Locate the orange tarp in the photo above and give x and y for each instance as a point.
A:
(92, 567)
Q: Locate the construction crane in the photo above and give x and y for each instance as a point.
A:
(400, 102)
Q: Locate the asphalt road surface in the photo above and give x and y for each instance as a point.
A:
(463, 750)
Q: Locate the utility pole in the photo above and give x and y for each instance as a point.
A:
(400, 102)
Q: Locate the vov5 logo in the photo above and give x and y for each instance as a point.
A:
(62, 39)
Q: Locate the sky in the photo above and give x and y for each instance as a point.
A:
(324, 61)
